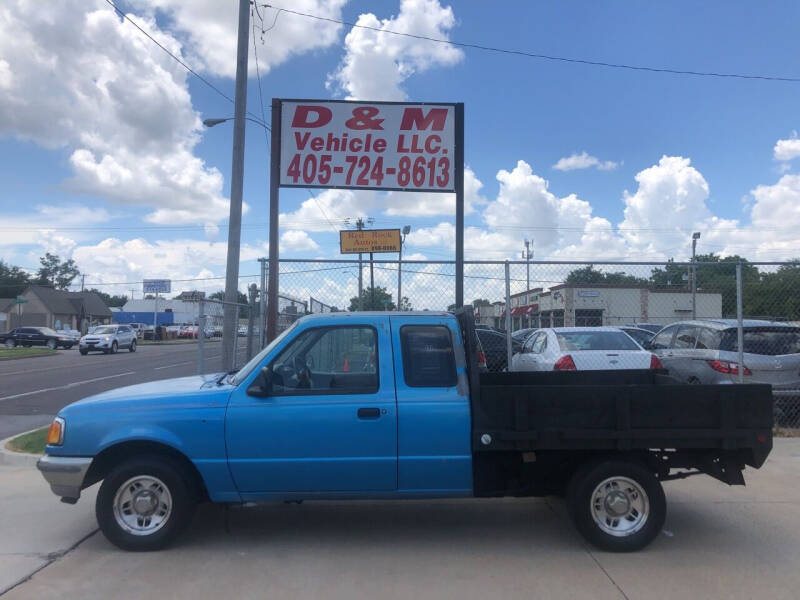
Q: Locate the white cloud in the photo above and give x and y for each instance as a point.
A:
(788, 149)
(296, 240)
(209, 28)
(77, 77)
(327, 210)
(427, 204)
(376, 64)
(584, 161)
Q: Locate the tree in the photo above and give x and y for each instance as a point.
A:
(478, 302)
(109, 300)
(775, 295)
(55, 272)
(591, 276)
(220, 295)
(382, 300)
(719, 278)
(13, 280)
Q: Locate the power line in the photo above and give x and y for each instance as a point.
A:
(175, 58)
(550, 57)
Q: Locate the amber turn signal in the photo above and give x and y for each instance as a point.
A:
(55, 437)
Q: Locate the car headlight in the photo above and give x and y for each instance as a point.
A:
(55, 437)
(106, 337)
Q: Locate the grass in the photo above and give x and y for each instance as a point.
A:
(32, 442)
(20, 352)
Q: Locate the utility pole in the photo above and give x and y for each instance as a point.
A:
(83, 281)
(263, 298)
(131, 293)
(405, 232)
(230, 323)
(361, 225)
(695, 237)
(527, 254)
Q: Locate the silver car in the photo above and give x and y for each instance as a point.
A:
(108, 339)
(708, 352)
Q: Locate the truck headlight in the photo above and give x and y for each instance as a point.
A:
(55, 437)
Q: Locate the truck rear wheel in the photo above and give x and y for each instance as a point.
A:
(144, 503)
(617, 505)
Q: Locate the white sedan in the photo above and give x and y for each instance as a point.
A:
(584, 349)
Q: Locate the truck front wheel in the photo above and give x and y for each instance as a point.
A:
(144, 503)
(617, 505)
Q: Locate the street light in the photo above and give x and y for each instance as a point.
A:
(217, 121)
(406, 231)
(695, 237)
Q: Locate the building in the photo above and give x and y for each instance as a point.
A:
(169, 311)
(569, 305)
(48, 307)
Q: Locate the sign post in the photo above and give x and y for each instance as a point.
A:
(156, 286)
(400, 146)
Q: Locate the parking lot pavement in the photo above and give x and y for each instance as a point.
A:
(32, 390)
(718, 542)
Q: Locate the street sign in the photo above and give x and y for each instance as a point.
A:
(157, 286)
(368, 145)
(357, 241)
(18, 300)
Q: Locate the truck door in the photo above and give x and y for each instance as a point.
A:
(329, 423)
(433, 413)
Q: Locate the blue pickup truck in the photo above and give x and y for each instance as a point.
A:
(393, 406)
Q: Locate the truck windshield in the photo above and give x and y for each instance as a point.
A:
(242, 374)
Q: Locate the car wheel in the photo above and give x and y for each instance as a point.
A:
(144, 503)
(51, 344)
(114, 347)
(10, 343)
(67, 346)
(133, 346)
(83, 352)
(617, 505)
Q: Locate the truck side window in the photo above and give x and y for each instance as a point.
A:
(328, 360)
(428, 358)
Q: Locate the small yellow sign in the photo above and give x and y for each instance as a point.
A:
(358, 241)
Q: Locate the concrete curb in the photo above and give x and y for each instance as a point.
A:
(17, 459)
(7, 358)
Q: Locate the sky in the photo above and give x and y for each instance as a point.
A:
(105, 158)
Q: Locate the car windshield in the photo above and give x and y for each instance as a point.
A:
(46, 331)
(595, 340)
(103, 330)
(770, 341)
(242, 374)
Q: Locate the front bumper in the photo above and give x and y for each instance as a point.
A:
(65, 474)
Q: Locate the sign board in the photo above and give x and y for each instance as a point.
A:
(368, 145)
(588, 293)
(357, 241)
(157, 286)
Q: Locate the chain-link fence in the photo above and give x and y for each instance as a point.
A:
(719, 322)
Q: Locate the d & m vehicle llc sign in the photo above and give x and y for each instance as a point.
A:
(399, 146)
(383, 146)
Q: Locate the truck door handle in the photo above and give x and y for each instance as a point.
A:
(369, 413)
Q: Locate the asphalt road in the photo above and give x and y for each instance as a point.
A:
(32, 390)
(717, 542)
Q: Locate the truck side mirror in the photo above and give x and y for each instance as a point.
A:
(262, 384)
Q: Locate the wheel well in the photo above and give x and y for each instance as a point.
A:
(113, 455)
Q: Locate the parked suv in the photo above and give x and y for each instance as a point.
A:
(109, 339)
(708, 352)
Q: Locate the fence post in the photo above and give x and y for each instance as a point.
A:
(262, 303)
(201, 337)
(251, 309)
(508, 317)
(739, 320)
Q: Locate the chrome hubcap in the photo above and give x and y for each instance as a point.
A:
(619, 506)
(142, 505)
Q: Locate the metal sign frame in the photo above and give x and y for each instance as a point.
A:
(157, 286)
(275, 185)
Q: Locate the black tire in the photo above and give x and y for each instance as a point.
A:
(67, 346)
(114, 347)
(580, 497)
(51, 344)
(181, 491)
(132, 347)
(84, 352)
